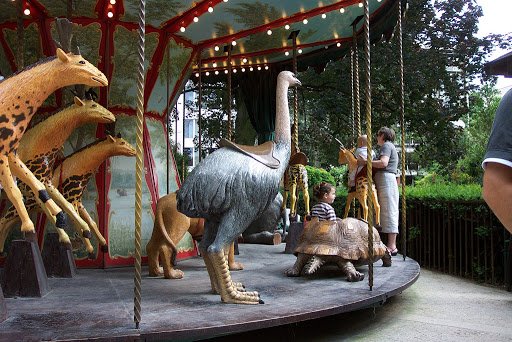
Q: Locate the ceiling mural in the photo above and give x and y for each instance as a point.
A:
(181, 34)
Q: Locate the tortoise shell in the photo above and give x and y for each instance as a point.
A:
(346, 238)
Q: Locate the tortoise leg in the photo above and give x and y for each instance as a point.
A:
(348, 268)
(302, 259)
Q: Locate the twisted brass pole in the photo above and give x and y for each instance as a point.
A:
(402, 126)
(356, 80)
(230, 71)
(199, 104)
(295, 132)
(139, 164)
(352, 108)
(368, 94)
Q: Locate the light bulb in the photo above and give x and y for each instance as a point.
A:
(360, 4)
(233, 43)
(286, 53)
(243, 69)
(196, 19)
(210, 9)
(244, 60)
(216, 48)
(207, 73)
(182, 29)
(27, 11)
(266, 67)
(112, 2)
(225, 71)
(299, 51)
(269, 32)
(286, 27)
(259, 68)
(197, 74)
(234, 70)
(110, 14)
(305, 21)
(338, 44)
(216, 72)
(214, 65)
(324, 15)
(251, 69)
(342, 10)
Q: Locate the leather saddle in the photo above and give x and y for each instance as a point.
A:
(263, 153)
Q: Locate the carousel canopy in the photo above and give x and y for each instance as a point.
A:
(185, 36)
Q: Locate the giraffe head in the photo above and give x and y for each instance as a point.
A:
(346, 156)
(93, 112)
(120, 147)
(74, 69)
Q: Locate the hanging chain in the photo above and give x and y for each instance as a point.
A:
(139, 165)
(368, 94)
(402, 126)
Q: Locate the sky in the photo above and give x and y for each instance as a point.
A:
(496, 19)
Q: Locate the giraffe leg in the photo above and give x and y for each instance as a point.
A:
(63, 236)
(69, 209)
(93, 226)
(285, 198)
(305, 194)
(14, 195)
(26, 176)
(233, 265)
(362, 200)
(293, 199)
(376, 205)
(6, 224)
(350, 197)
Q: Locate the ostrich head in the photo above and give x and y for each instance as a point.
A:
(289, 78)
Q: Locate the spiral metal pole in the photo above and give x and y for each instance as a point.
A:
(230, 72)
(139, 164)
(295, 132)
(356, 80)
(352, 108)
(199, 104)
(402, 126)
(368, 95)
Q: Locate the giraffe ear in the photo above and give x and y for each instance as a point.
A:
(111, 138)
(79, 102)
(62, 55)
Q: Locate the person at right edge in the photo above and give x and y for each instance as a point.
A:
(384, 169)
(497, 164)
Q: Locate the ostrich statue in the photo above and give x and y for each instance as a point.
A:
(231, 187)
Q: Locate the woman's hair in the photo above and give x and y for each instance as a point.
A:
(387, 133)
(321, 189)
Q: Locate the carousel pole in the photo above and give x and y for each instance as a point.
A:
(353, 104)
(199, 104)
(229, 48)
(402, 126)
(183, 136)
(368, 94)
(139, 164)
(295, 133)
(357, 107)
(167, 119)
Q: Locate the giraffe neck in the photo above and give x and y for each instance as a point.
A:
(87, 160)
(352, 161)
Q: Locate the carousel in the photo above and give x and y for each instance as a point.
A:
(95, 218)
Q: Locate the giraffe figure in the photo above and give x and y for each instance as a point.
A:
(72, 176)
(296, 179)
(20, 97)
(39, 149)
(360, 191)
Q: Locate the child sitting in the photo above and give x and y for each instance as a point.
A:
(362, 152)
(325, 193)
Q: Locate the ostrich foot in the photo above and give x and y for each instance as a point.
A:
(228, 292)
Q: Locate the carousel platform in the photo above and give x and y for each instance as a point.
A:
(97, 304)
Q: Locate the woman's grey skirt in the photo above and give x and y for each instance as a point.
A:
(387, 192)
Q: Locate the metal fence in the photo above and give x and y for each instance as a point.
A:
(460, 238)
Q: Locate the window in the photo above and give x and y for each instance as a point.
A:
(189, 128)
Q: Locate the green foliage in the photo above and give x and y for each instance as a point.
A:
(435, 174)
(339, 173)
(445, 192)
(317, 175)
(182, 161)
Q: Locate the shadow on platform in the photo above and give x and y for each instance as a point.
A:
(98, 304)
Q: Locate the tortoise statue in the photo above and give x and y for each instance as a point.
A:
(343, 242)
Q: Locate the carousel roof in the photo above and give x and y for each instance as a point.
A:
(183, 34)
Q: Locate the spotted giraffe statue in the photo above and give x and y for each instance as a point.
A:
(296, 179)
(73, 174)
(20, 97)
(40, 147)
(360, 191)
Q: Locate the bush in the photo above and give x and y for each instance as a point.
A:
(339, 173)
(445, 192)
(317, 175)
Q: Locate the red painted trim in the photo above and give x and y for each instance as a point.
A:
(156, 62)
(276, 23)
(185, 19)
(149, 163)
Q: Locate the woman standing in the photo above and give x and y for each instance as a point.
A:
(385, 168)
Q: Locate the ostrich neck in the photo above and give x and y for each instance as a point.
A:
(282, 123)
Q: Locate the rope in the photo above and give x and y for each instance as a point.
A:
(402, 126)
(356, 80)
(368, 94)
(295, 99)
(230, 70)
(139, 163)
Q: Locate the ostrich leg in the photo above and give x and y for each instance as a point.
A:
(229, 228)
